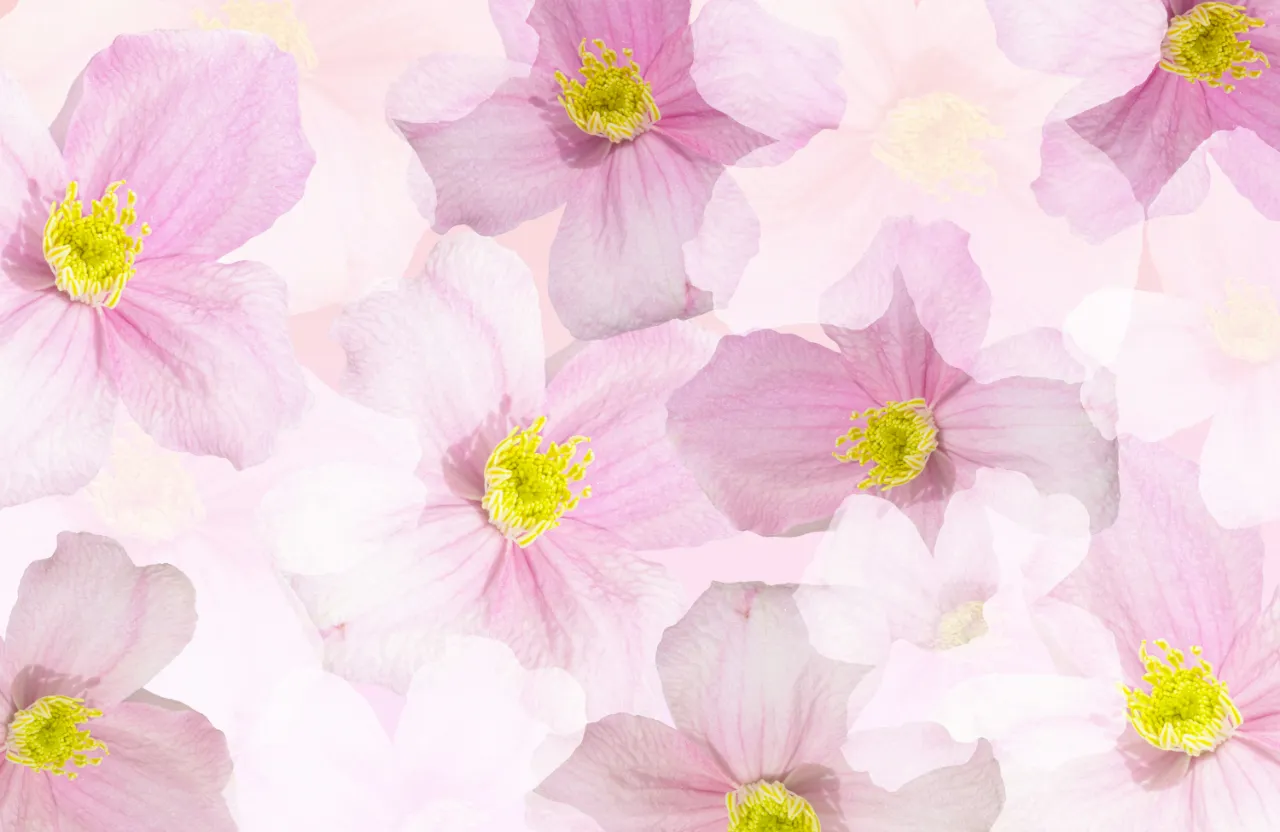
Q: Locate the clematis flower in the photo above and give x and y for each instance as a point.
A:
(1192, 715)
(627, 114)
(177, 148)
(765, 426)
(531, 498)
(759, 721)
(85, 746)
(1160, 78)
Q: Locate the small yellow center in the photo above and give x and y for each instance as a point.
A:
(770, 807)
(896, 442)
(1204, 45)
(616, 102)
(933, 141)
(92, 256)
(276, 20)
(1187, 709)
(144, 490)
(526, 491)
(47, 736)
(960, 626)
(1247, 327)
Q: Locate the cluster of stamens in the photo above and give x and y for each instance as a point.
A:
(615, 102)
(277, 20)
(1187, 709)
(1247, 326)
(770, 807)
(896, 441)
(46, 736)
(526, 490)
(92, 257)
(1204, 44)
(933, 141)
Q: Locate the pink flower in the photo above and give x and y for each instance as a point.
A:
(765, 426)
(530, 497)
(620, 115)
(1195, 743)
(760, 718)
(177, 147)
(88, 630)
(1152, 92)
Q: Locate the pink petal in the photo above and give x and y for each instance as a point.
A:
(518, 37)
(1166, 570)
(727, 241)
(1253, 676)
(640, 25)
(87, 622)
(614, 392)
(1243, 444)
(617, 263)
(1066, 37)
(59, 401)
(1081, 183)
(32, 175)
(163, 763)
(458, 349)
(767, 75)
(1252, 104)
(758, 425)
(203, 126)
(202, 357)
(1237, 787)
(633, 774)
(739, 673)
(26, 799)
(1252, 165)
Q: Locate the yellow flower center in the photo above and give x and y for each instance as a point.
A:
(276, 20)
(616, 102)
(932, 141)
(92, 257)
(526, 491)
(896, 442)
(46, 736)
(144, 490)
(1203, 45)
(770, 807)
(1248, 325)
(960, 626)
(1187, 709)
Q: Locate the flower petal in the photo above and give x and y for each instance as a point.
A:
(1243, 443)
(26, 799)
(1067, 37)
(203, 126)
(1238, 787)
(1081, 183)
(32, 175)
(87, 622)
(641, 27)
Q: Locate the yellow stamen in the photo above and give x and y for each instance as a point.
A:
(932, 141)
(1248, 325)
(896, 441)
(960, 626)
(526, 491)
(92, 257)
(45, 736)
(616, 102)
(1187, 709)
(770, 807)
(1203, 45)
(276, 20)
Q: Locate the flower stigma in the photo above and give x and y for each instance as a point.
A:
(1247, 327)
(92, 257)
(1203, 45)
(47, 736)
(960, 626)
(896, 442)
(1187, 709)
(770, 807)
(276, 20)
(526, 491)
(932, 142)
(616, 102)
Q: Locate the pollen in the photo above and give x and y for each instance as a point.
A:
(960, 626)
(1187, 709)
(1247, 326)
(615, 102)
(770, 807)
(896, 441)
(92, 256)
(47, 736)
(527, 491)
(276, 20)
(1204, 45)
(934, 142)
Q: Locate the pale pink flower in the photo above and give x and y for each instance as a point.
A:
(759, 721)
(653, 228)
(88, 630)
(531, 496)
(203, 128)
(1150, 97)
(762, 426)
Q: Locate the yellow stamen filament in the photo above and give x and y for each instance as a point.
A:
(1247, 327)
(47, 736)
(770, 807)
(615, 103)
(1204, 44)
(960, 626)
(276, 20)
(896, 441)
(526, 491)
(932, 141)
(1187, 709)
(92, 256)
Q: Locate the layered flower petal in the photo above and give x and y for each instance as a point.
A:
(1067, 37)
(32, 174)
(1241, 447)
(641, 27)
